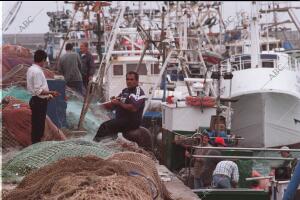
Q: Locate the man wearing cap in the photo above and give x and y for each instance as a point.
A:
(199, 163)
(288, 163)
(220, 142)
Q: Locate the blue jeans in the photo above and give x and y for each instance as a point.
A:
(221, 181)
(198, 183)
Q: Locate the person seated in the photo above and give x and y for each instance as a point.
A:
(219, 131)
(129, 107)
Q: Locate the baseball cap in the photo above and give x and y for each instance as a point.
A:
(220, 140)
(285, 148)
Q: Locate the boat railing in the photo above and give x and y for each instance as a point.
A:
(243, 157)
(241, 62)
(244, 149)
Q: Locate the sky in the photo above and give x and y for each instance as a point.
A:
(32, 17)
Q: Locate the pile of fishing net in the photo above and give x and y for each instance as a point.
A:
(44, 153)
(15, 62)
(16, 119)
(16, 50)
(122, 176)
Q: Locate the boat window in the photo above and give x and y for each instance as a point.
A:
(247, 65)
(155, 68)
(269, 56)
(118, 70)
(266, 64)
(133, 67)
(143, 69)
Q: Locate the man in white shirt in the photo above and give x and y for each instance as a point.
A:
(38, 87)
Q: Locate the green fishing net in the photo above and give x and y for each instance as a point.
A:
(44, 153)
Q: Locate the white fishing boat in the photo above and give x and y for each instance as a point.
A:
(266, 85)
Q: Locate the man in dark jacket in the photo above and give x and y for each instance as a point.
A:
(129, 107)
(70, 67)
(88, 65)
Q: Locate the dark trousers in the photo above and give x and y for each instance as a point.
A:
(85, 80)
(39, 109)
(113, 126)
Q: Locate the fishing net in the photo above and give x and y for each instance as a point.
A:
(17, 122)
(17, 92)
(93, 119)
(43, 153)
(123, 176)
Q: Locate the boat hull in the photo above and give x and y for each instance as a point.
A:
(267, 119)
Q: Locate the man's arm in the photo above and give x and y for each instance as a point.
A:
(60, 67)
(129, 107)
(91, 65)
(79, 63)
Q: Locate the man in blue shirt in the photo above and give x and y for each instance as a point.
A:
(129, 107)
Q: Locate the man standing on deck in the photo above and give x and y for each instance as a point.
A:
(199, 163)
(226, 174)
(88, 66)
(38, 87)
(70, 67)
(284, 171)
(129, 107)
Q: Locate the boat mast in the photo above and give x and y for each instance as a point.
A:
(254, 28)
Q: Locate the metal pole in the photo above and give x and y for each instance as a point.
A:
(163, 68)
(163, 48)
(65, 39)
(241, 148)
(259, 178)
(243, 157)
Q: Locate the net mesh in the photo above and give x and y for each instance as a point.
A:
(43, 153)
(124, 175)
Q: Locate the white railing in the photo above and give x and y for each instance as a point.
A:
(237, 63)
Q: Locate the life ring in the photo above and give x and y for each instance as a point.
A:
(201, 101)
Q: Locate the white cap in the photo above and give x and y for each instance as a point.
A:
(285, 148)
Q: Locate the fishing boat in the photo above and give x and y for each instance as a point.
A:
(266, 87)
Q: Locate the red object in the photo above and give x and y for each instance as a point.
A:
(220, 140)
(170, 99)
(200, 101)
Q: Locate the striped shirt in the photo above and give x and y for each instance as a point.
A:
(136, 97)
(228, 168)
